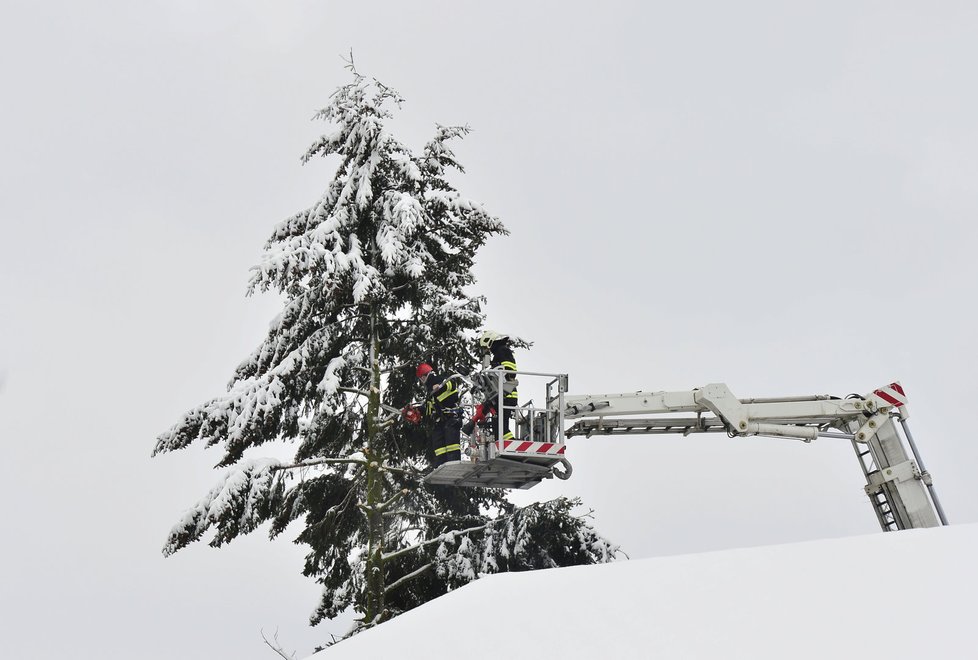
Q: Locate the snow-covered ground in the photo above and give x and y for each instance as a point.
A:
(906, 594)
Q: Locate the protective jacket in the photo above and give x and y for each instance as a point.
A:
(502, 357)
(442, 396)
(442, 406)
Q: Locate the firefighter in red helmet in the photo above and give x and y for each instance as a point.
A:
(442, 406)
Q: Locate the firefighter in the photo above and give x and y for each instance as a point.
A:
(441, 405)
(502, 358)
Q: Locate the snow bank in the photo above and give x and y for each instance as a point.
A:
(907, 594)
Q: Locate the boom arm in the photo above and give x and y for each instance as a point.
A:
(792, 417)
(895, 482)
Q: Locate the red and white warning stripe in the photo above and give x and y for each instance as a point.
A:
(891, 395)
(527, 447)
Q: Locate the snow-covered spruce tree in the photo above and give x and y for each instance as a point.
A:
(374, 278)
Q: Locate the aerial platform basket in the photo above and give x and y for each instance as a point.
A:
(521, 463)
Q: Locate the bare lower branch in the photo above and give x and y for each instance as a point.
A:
(353, 390)
(391, 409)
(276, 646)
(414, 472)
(441, 538)
(405, 530)
(398, 582)
(429, 516)
(320, 461)
(389, 503)
(461, 532)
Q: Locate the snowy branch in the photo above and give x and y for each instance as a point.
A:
(238, 504)
(462, 532)
(414, 472)
(398, 582)
(352, 390)
(427, 516)
(320, 461)
(440, 539)
(385, 424)
(391, 409)
(389, 503)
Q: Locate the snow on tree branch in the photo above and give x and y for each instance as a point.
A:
(407, 578)
(330, 383)
(260, 407)
(238, 504)
(252, 409)
(352, 459)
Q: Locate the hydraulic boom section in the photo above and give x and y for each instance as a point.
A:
(899, 488)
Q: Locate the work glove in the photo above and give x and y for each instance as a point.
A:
(476, 418)
(479, 414)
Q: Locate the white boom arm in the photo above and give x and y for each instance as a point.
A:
(792, 417)
(895, 482)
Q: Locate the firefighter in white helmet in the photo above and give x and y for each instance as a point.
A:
(502, 358)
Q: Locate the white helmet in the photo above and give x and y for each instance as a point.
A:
(490, 336)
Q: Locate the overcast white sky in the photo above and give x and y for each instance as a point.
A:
(779, 198)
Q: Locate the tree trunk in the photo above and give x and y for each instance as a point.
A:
(375, 456)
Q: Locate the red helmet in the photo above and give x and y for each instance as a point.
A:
(423, 370)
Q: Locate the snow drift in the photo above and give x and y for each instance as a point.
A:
(908, 593)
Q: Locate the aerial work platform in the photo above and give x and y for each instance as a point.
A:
(520, 465)
(534, 454)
